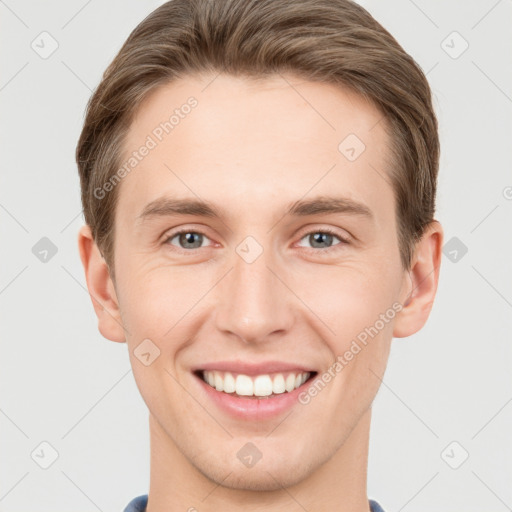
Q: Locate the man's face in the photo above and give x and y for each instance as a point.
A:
(258, 291)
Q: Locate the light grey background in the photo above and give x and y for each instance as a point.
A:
(64, 384)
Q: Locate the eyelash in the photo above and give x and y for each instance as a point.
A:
(343, 241)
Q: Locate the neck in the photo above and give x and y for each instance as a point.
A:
(339, 485)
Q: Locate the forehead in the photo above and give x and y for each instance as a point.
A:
(256, 144)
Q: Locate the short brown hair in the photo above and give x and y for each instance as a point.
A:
(333, 41)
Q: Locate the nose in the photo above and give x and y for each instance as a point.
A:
(253, 303)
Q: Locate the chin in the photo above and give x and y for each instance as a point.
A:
(266, 480)
(266, 475)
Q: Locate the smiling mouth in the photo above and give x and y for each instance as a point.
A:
(263, 386)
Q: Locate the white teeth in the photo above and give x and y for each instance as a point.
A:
(244, 385)
(290, 382)
(229, 383)
(261, 385)
(219, 382)
(278, 384)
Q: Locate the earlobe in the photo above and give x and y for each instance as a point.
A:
(101, 288)
(421, 283)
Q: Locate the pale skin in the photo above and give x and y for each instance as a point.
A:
(253, 150)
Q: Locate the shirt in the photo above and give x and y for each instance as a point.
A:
(139, 503)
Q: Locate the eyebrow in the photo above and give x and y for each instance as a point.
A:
(168, 206)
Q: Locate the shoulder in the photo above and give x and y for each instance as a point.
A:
(375, 507)
(138, 504)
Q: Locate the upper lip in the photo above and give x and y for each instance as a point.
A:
(247, 368)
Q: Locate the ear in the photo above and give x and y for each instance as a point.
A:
(420, 284)
(101, 288)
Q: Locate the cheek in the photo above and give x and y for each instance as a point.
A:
(155, 308)
(363, 321)
(150, 289)
(158, 301)
(341, 299)
(347, 298)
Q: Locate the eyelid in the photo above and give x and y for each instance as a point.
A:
(344, 239)
(341, 234)
(172, 233)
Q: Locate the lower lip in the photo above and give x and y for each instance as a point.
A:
(253, 409)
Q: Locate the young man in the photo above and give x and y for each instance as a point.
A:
(258, 181)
